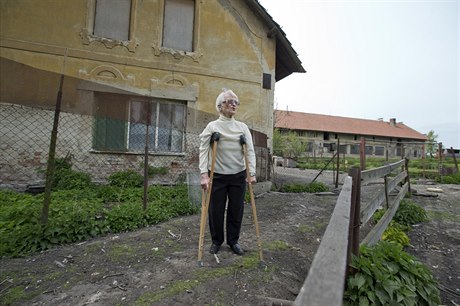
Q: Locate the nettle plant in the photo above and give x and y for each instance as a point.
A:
(386, 275)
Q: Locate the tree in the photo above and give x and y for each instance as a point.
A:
(432, 139)
(278, 143)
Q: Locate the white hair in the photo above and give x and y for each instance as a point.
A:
(222, 97)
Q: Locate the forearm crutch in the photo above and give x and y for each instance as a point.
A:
(206, 197)
(251, 193)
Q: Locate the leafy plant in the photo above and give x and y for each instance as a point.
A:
(386, 275)
(450, 179)
(409, 213)
(394, 233)
(126, 179)
(298, 188)
(81, 214)
(65, 178)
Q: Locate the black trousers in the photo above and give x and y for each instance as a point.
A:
(233, 188)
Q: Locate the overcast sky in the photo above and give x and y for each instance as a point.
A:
(375, 59)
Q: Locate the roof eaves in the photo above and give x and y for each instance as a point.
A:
(287, 60)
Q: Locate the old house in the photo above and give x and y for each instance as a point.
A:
(137, 75)
(320, 134)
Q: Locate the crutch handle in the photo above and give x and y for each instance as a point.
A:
(242, 139)
(215, 137)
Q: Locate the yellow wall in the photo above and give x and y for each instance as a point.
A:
(232, 50)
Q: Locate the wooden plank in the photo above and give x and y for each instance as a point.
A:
(369, 209)
(326, 278)
(376, 233)
(372, 174)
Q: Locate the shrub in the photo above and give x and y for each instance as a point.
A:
(386, 275)
(126, 179)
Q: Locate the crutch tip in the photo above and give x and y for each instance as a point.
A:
(263, 265)
(200, 264)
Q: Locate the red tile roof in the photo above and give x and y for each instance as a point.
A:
(344, 125)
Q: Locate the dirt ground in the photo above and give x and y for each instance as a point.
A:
(158, 265)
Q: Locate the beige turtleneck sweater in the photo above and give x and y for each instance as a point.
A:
(229, 156)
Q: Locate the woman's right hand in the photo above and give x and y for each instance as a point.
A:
(204, 181)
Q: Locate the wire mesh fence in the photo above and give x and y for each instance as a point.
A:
(103, 144)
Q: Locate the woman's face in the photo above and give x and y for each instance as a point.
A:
(229, 106)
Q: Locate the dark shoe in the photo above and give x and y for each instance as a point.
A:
(236, 248)
(214, 248)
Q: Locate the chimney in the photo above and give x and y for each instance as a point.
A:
(392, 121)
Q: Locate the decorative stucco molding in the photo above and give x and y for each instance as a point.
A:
(107, 72)
(177, 54)
(88, 39)
(174, 87)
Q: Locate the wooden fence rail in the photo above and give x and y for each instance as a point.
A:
(325, 282)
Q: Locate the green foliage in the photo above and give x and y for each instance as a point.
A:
(65, 178)
(394, 233)
(126, 179)
(278, 143)
(409, 213)
(152, 171)
(298, 188)
(77, 215)
(386, 275)
(449, 179)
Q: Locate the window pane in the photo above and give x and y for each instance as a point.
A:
(110, 126)
(112, 19)
(171, 127)
(178, 24)
(139, 111)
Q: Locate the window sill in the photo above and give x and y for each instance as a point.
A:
(180, 154)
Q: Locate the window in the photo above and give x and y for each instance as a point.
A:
(354, 149)
(178, 24)
(369, 150)
(112, 18)
(124, 123)
(380, 151)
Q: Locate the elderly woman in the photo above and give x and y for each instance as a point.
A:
(230, 172)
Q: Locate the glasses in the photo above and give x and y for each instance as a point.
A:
(231, 101)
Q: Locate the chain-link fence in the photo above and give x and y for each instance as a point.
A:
(103, 144)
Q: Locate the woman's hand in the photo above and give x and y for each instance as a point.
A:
(204, 181)
(252, 180)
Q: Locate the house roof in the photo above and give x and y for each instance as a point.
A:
(334, 124)
(287, 61)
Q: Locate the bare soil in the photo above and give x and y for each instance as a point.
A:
(158, 265)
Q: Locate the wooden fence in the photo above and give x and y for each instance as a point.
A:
(325, 282)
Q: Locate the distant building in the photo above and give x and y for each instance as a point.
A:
(320, 133)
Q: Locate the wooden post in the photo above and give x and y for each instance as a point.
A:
(355, 209)
(338, 163)
(408, 177)
(423, 161)
(387, 199)
(362, 153)
(440, 161)
(455, 159)
(52, 155)
(146, 158)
